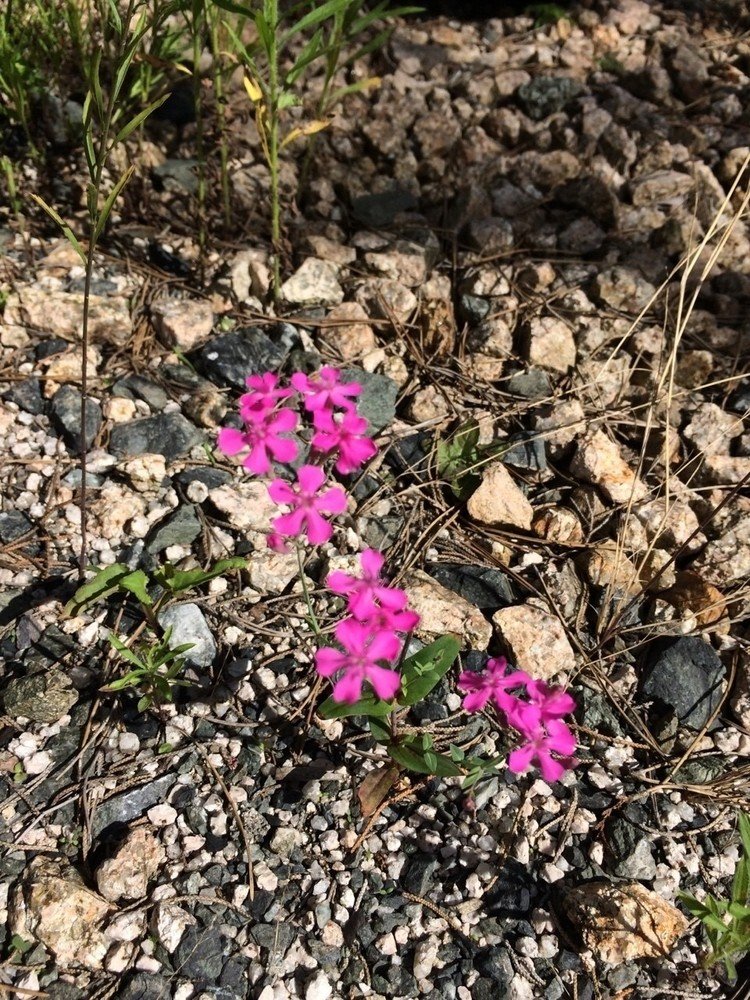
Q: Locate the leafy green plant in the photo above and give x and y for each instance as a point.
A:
(155, 669)
(546, 13)
(289, 42)
(727, 921)
(460, 456)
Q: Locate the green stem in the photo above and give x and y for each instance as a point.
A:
(197, 22)
(303, 580)
(220, 111)
(273, 141)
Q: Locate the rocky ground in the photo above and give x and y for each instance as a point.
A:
(538, 228)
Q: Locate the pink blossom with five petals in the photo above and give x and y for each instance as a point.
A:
(324, 390)
(364, 652)
(553, 738)
(491, 684)
(308, 502)
(347, 435)
(365, 592)
(264, 396)
(263, 436)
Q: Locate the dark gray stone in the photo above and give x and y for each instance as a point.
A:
(144, 986)
(210, 478)
(377, 401)
(546, 95)
(419, 874)
(65, 410)
(180, 528)
(530, 384)
(739, 401)
(630, 851)
(167, 434)
(200, 954)
(177, 175)
(52, 345)
(494, 964)
(473, 309)
(487, 589)
(131, 804)
(229, 359)
(526, 452)
(13, 525)
(685, 676)
(380, 210)
(595, 712)
(276, 938)
(27, 396)
(43, 697)
(139, 387)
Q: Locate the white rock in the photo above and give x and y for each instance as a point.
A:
(318, 988)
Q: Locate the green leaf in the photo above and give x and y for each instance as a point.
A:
(233, 8)
(458, 456)
(105, 582)
(744, 825)
(140, 118)
(179, 580)
(380, 731)
(368, 705)
(132, 679)
(738, 910)
(741, 882)
(144, 703)
(125, 652)
(421, 672)
(408, 756)
(313, 17)
(68, 232)
(457, 754)
(137, 583)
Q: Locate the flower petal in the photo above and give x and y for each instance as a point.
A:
(560, 738)
(317, 529)
(520, 759)
(332, 501)
(328, 661)
(290, 524)
(385, 682)
(281, 492)
(230, 441)
(349, 688)
(310, 478)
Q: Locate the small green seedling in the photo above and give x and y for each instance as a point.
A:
(727, 921)
(460, 456)
(155, 670)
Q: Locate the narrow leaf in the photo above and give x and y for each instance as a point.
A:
(369, 705)
(140, 118)
(137, 583)
(179, 580)
(308, 129)
(101, 222)
(423, 671)
(375, 787)
(125, 653)
(63, 225)
(105, 582)
(380, 730)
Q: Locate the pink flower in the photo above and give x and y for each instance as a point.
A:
(307, 503)
(276, 543)
(365, 592)
(347, 436)
(262, 435)
(264, 396)
(364, 649)
(491, 684)
(324, 390)
(555, 738)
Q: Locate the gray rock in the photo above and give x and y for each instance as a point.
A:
(530, 384)
(276, 938)
(139, 387)
(27, 396)
(43, 697)
(485, 588)
(167, 434)
(66, 414)
(200, 954)
(210, 478)
(177, 175)
(526, 452)
(473, 308)
(131, 804)
(180, 528)
(13, 525)
(379, 210)
(229, 359)
(685, 676)
(546, 95)
(631, 851)
(143, 986)
(418, 876)
(189, 625)
(74, 478)
(377, 402)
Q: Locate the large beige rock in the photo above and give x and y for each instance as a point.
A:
(621, 923)
(315, 283)
(349, 333)
(550, 344)
(182, 323)
(598, 461)
(127, 873)
(711, 429)
(52, 905)
(59, 313)
(444, 612)
(535, 639)
(498, 501)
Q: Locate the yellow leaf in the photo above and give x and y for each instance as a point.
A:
(309, 128)
(253, 90)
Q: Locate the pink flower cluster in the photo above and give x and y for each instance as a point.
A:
(548, 740)
(370, 636)
(338, 432)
